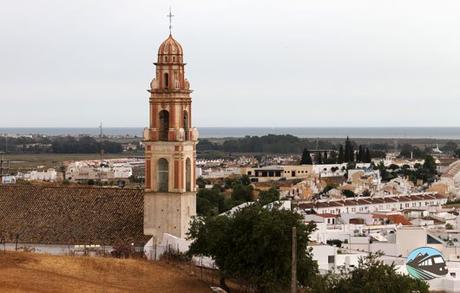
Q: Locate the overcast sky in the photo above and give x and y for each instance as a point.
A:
(250, 63)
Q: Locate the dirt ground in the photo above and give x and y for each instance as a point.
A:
(31, 272)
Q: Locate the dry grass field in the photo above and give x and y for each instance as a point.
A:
(31, 161)
(30, 272)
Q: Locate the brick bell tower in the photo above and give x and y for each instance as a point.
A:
(170, 148)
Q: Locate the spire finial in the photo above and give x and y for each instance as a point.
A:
(170, 15)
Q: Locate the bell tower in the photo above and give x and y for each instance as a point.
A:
(170, 148)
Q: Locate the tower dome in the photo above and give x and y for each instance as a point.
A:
(170, 51)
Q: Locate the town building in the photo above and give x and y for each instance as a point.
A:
(277, 172)
(104, 171)
(50, 175)
(375, 203)
(451, 177)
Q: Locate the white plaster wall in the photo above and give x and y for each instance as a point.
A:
(168, 213)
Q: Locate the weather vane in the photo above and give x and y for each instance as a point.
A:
(170, 15)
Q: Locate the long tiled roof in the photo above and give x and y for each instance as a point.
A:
(370, 200)
(71, 215)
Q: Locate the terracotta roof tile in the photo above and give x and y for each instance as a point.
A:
(395, 219)
(71, 215)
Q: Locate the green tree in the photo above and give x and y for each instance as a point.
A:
(269, 196)
(408, 151)
(349, 154)
(360, 154)
(351, 165)
(306, 157)
(393, 167)
(242, 246)
(319, 158)
(332, 158)
(205, 207)
(242, 193)
(450, 147)
(201, 182)
(213, 201)
(329, 187)
(430, 164)
(371, 275)
(245, 180)
(383, 172)
(209, 202)
(230, 181)
(367, 193)
(367, 156)
(341, 156)
(348, 193)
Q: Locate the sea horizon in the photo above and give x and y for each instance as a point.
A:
(222, 132)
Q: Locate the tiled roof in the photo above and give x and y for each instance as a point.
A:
(71, 215)
(370, 200)
(328, 215)
(395, 218)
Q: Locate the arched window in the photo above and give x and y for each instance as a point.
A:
(166, 80)
(163, 175)
(186, 130)
(188, 175)
(164, 125)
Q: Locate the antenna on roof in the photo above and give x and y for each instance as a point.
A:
(170, 15)
(101, 149)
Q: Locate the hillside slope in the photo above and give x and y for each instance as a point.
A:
(30, 272)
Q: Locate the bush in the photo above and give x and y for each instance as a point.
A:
(269, 196)
(335, 242)
(371, 275)
(123, 251)
(175, 255)
(348, 193)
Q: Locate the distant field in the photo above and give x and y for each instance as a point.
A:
(30, 272)
(31, 161)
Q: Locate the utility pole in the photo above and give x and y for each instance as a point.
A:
(1, 167)
(100, 142)
(294, 261)
(101, 165)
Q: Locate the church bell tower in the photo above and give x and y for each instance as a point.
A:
(170, 148)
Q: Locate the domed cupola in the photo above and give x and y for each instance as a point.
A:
(170, 68)
(170, 51)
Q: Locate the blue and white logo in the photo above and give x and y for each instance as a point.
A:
(426, 263)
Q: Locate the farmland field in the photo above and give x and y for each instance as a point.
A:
(33, 161)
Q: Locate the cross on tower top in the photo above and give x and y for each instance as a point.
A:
(170, 15)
